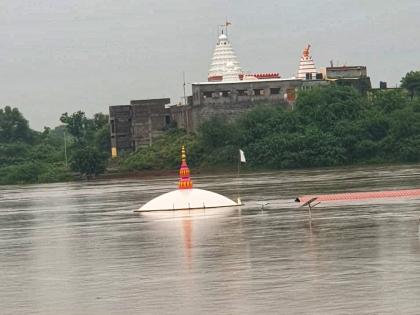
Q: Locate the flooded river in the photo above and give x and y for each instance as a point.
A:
(78, 248)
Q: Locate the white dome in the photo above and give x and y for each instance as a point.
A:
(187, 199)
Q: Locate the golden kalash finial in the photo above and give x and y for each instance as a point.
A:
(306, 51)
(184, 172)
(183, 154)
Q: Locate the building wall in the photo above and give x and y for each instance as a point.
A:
(200, 114)
(182, 116)
(136, 125)
(242, 92)
(351, 72)
(148, 122)
(120, 125)
(230, 100)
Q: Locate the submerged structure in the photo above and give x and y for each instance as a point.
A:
(186, 197)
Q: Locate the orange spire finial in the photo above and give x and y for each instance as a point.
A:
(306, 51)
(184, 172)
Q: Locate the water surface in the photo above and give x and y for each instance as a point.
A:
(78, 248)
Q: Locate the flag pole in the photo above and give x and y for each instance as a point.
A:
(238, 185)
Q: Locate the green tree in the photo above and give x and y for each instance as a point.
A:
(87, 160)
(411, 82)
(102, 135)
(216, 132)
(78, 125)
(14, 127)
(90, 148)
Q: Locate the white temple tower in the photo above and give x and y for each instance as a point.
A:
(307, 69)
(224, 64)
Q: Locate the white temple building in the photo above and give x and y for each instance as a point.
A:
(307, 69)
(224, 64)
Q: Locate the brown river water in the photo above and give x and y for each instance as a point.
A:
(78, 248)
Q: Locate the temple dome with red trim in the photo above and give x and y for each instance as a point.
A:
(186, 197)
(225, 65)
(307, 67)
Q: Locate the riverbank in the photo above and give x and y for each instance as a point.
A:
(329, 127)
(119, 174)
(232, 172)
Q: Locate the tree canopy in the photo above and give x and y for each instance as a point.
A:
(91, 146)
(13, 126)
(411, 82)
(28, 156)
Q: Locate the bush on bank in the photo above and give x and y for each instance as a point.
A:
(28, 156)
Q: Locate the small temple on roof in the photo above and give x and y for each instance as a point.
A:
(186, 197)
(307, 69)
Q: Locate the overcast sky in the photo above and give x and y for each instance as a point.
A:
(65, 55)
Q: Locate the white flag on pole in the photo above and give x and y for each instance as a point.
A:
(241, 153)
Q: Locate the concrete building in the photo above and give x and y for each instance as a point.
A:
(137, 124)
(120, 125)
(231, 99)
(354, 76)
(345, 72)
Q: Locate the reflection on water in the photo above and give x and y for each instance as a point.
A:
(187, 225)
(78, 248)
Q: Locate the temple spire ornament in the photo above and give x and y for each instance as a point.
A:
(184, 172)
(307, 69)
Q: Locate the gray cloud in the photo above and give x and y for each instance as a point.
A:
(58, 56)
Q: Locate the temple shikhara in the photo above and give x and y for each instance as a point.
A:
(307, 70)
(225, 64)
(228, 91)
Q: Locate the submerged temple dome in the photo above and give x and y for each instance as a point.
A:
(224, 65)
(186, 197)
(306, 66)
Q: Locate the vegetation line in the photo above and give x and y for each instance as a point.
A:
(329, 126)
